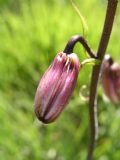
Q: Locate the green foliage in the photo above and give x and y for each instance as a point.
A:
(30, 37)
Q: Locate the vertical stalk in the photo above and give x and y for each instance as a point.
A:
(108, 24)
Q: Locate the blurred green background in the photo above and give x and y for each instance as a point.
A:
(31, 33)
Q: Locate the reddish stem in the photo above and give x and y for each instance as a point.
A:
(108, 24)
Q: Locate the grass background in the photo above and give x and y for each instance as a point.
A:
(31, 33)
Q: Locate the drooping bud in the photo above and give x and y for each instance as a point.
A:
(56, 86)
(111, 79)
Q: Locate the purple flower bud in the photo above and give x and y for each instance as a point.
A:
(56, 87)
(111, 80)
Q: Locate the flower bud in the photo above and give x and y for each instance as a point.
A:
(111, 80)
(56, 87)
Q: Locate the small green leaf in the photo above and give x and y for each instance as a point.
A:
(90, 61)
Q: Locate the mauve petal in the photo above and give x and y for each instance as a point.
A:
(109, 81)
(115, 69)
(48, 83)
(56, 87)
(109, 88)
(65, 90)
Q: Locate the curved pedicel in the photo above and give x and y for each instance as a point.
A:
(108, 59)
(77, 38)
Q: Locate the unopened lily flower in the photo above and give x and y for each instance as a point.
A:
(111, 79)
(56, 86)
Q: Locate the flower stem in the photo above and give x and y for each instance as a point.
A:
(71, 43)
(108, 24)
